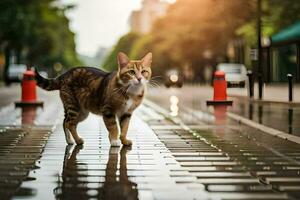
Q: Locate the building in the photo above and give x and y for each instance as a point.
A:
(280, 55)
(285, 54)
(142, 20)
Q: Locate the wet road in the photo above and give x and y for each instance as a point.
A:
(97, 171)
(9, 94)
(192, 100)
(178, 153)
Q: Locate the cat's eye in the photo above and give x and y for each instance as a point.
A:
(131, 72)
(144, 71)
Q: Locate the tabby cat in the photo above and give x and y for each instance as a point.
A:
(113, 95)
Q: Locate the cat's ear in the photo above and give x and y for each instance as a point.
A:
(123, 60)
(147, 60)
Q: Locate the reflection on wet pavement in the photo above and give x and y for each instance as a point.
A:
(118, 187)
(220, 118)
(235, 162)
(75, 183)
(174, 105)
(193, 99)
(23, 134)
(28, 115)
(285, 116)
(19, 149)
(212, 158)
(74, 176)
(147, 171)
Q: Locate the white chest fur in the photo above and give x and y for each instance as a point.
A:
(128, 105)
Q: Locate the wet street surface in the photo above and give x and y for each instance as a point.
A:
(177, 153)
(192, 99)
(97, 171)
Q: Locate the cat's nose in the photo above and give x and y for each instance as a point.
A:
(139, 79)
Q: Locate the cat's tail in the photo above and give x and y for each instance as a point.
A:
(45, 83)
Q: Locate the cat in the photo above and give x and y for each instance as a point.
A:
(113, 95)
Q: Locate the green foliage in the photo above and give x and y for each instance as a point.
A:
(144, 45)
(282, 13)
(190, 28)
(249, 32)
(38, 30)
(124, 44)
(276, 15)
(141, 47)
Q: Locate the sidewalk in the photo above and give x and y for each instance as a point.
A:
(165, 162)
(277, 93)
(96, 170)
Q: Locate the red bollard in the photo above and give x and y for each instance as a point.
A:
(29, 90)
(28, 87)
(220, 90)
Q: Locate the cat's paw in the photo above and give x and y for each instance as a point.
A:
(79, 141)
(127, 142)
(115, 143)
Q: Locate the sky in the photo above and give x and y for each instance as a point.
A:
(99, 23)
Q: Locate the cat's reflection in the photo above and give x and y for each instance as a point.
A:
(74, 181)
(118, 187)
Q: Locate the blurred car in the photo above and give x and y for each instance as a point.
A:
(15, 72)
(173, 79)
(235, 74)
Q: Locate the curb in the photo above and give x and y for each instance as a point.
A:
(245, 98)
(263, 128)
(239, 119)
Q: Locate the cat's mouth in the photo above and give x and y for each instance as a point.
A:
(136, 89)
(137, 83)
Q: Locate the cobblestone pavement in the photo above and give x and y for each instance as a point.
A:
(168, 160)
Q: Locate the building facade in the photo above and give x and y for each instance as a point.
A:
(142, 20)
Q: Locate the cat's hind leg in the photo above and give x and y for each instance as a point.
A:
(73, 115)
(72, 121)
(72, 127)
(68, 136)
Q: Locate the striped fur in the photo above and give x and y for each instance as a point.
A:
(47, 84)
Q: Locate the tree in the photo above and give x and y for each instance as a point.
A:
(192, 27)
(277, 14)
(38, 33)
(124, 44)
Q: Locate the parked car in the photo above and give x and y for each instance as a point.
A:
(173, 79)
(235, 74)
(15, 72)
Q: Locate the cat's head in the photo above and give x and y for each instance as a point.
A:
(134, 73)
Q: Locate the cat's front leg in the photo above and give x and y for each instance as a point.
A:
(110, 121)
(124, 123)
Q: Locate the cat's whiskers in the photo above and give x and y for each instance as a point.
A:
(153, 83)
(156, 77)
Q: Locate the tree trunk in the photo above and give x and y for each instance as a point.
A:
(7, 53)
